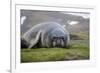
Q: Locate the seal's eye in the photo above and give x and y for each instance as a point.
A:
(54, 37)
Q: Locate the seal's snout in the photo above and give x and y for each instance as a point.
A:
(58, 42)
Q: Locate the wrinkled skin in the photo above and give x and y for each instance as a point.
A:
(49, 34)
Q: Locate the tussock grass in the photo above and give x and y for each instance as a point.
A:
(78, 50)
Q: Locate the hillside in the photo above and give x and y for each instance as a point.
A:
(63, 18)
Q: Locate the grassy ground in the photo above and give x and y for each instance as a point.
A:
(79, 50)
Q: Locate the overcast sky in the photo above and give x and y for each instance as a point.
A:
(84, 15)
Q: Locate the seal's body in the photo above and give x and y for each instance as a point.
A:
(48, 34)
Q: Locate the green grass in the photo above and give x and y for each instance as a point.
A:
(79, 50)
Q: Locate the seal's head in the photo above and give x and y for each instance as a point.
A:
(58, 38)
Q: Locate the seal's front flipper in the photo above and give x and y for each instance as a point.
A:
(35, 40)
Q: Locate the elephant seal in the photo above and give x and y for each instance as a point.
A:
(47, 34)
